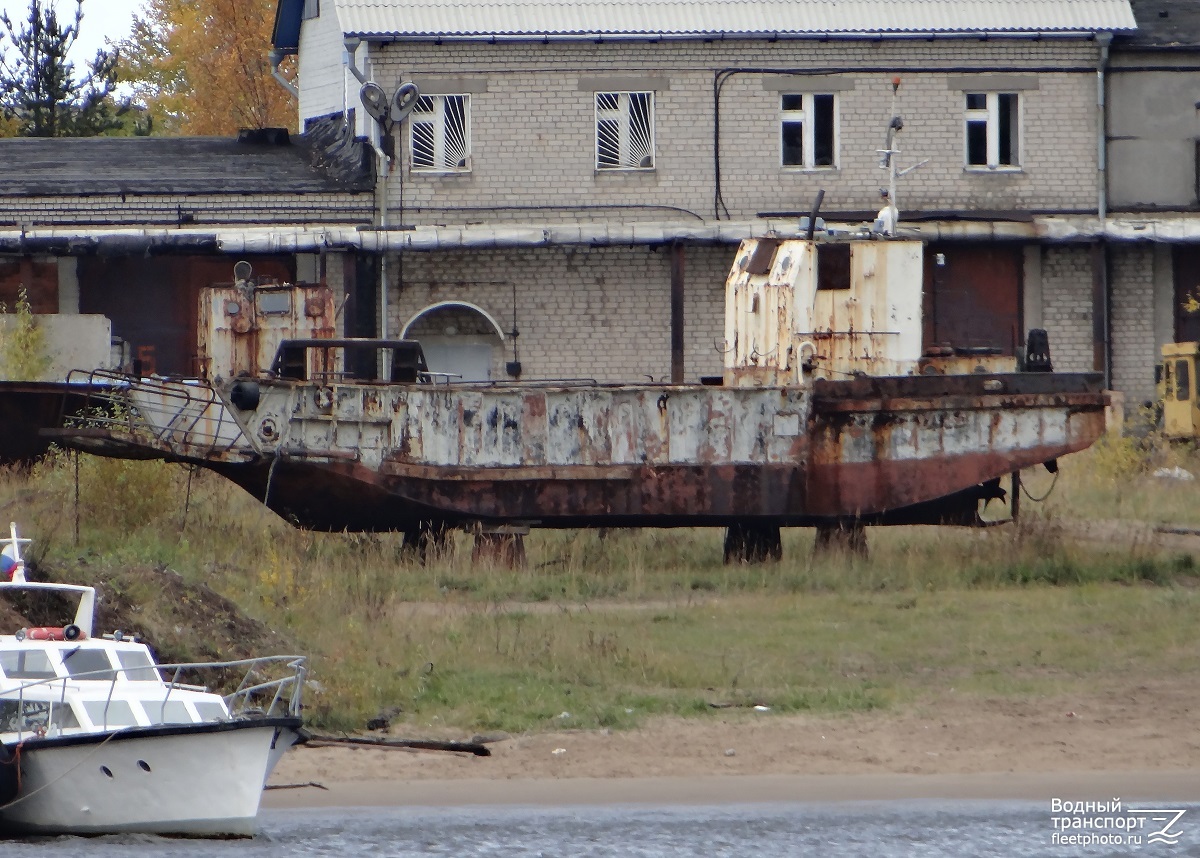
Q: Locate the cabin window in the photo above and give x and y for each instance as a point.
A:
(137, 665)
(833, 266)
(440, 134)
(211, 710)
(88, 664)
(26, 664)
(17, 716)
(808, 126)
(275, 302)
(312, 9)
(992, 123)
(110, 713)
(625, 131)
(1183, 381)
(166, 712)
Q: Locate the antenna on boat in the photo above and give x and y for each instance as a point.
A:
(10, 556)
(889, 215)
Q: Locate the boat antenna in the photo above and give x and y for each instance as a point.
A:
(889, 215)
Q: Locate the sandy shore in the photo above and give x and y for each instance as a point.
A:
(1138, 743)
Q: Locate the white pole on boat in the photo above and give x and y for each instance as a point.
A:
(13, 552)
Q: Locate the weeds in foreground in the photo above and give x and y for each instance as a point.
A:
(23, 352)
(609, 627)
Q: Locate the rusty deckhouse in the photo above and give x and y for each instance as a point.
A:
(832, 412)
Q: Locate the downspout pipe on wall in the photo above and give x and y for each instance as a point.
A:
(384, 162)
(381, 220)
(276, 57)
(1104, 40)
(1102, 288)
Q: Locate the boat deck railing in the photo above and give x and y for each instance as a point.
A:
(185, 417)
(254, 697)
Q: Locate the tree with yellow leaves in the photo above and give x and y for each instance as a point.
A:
(201, 67)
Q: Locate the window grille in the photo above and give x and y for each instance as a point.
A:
(441, 133)
(625, 131)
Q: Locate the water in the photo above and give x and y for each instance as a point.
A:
(877, 829)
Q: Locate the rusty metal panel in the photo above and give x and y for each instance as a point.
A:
(38, 276)
(153, 301)
(778, 321)
(862, 446)
(761, 306)
(241, 327)
(578, 424)
(874, 325)
(973, 298)
(502, 433)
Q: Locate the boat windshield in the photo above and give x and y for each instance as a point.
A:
(137, 665)
(110, 713)
(211, 710)
(167, 712)
(17, 716)
(84, 663)
(26, 664)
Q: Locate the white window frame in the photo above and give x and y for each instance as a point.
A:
(806, 116)
(445, 146)
(635, 146)
(989, 116)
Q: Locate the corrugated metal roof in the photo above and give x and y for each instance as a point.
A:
(644, 18)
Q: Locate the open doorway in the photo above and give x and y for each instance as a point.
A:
(459, 339)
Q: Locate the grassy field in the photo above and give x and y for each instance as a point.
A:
(609, 629)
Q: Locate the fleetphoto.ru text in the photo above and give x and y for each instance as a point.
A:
(1108, 823)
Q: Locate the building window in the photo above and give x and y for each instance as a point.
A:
(808, 122)
(312, 9)
(625, 131)
(441, 133)
(992, 130)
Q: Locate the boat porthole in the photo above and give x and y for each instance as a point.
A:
(107, 771)
(143, 765)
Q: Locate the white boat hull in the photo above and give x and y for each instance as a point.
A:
(189, 779)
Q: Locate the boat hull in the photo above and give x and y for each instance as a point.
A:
(874, 450)
(202, 780)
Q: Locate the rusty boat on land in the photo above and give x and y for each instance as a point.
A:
(830, 413)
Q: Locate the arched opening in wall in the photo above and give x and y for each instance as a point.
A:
(460, 339)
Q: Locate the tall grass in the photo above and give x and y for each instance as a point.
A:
(609, 627)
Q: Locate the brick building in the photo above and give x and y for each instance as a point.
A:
(615, 150)
(580, 172)
(1153, 131)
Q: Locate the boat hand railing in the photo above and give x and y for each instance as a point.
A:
(187, 417)
(286, 691)
(22, 719)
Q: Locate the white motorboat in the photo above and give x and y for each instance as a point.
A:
(96, 737)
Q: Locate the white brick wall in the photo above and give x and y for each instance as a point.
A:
(1067, 306)
(600, 313)
(533, 129)
(1131, 281)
